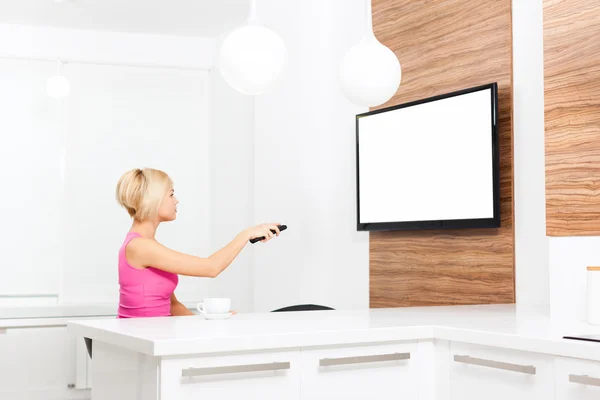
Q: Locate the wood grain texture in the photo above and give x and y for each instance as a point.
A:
(445, 46)
(572, 116)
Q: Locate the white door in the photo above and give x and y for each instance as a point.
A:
(256, 376)
(577, 379)
(360, 372)
(479, 372)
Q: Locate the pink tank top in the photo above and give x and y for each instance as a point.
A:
(143, 292)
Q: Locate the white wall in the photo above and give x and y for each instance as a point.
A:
(231, 117)
(531, 243)
(569, 257)
(146, 92)
(121, 118)
(29, 167)
(552, 268)
(61, 160)
(107, 47)
(304, 164)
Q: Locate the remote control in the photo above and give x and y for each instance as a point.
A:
(258, 239)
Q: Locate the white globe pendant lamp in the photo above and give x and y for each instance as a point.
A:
(58, 86)
(370, 73)
(252, 57)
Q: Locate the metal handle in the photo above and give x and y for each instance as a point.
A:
(524, 369)
(584, 380)
(4, 330)
(235, 369)
(326, 362)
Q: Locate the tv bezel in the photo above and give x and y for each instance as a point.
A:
(493, 222)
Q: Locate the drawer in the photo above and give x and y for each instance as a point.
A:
(481, 372)
(577, 379)
(251, 376)
(383, 372)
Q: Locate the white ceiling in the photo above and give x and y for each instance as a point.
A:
(170, 17)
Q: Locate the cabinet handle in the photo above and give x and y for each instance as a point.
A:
(49, 325)
(326, 362)
(524, 369)
(235, 369)
(584, 380)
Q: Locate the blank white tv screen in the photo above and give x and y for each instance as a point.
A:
(430, 164)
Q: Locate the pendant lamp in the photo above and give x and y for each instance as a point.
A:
(57, 86)
(252, 57)
(369, 73)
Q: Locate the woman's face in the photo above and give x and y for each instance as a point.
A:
(168, 207)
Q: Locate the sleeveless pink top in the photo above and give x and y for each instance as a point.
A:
(143, 292)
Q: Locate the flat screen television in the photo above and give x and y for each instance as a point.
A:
(430, 164)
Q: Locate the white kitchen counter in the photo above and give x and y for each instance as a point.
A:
(58, 315)
(503, 326)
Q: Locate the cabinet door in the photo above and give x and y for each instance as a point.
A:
(256, 376)
(577, 379)
(479, 372)
(38, 364)
(360, 372)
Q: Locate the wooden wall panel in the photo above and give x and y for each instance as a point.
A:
(572, 116)
(443, 46)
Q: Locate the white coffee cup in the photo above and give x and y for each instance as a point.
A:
(214, 306)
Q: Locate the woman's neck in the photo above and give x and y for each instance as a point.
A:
(145, 228)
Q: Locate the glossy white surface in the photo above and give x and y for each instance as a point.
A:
(58, 311)
(471, 382)
(59, 315)
(503, 326)
(569, 374)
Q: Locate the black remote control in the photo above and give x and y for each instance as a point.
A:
(258, 239)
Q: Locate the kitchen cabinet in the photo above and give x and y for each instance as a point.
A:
(481, 372)
(577, 379)
(260, 376)
(361, 372)
(38, 363)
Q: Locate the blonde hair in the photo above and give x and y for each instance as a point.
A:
(140, 192)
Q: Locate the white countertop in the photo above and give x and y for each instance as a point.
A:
(493, 325)
(56, 315)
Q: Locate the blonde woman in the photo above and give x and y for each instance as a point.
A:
(148, 271)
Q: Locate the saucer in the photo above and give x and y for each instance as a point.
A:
(216, 316)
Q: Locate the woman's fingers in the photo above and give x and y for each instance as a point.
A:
(273, 227)
(270, 231)
(267, 234)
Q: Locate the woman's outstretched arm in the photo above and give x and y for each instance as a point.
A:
(143, 252)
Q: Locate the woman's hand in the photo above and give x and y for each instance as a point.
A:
(263, 230)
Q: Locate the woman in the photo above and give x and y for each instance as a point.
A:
(148, 271)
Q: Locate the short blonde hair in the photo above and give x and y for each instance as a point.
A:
(140, 192)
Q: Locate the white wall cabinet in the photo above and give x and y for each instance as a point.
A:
(577, 379)
(479, 372)
(361, 372)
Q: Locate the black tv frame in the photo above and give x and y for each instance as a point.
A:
(493, 222)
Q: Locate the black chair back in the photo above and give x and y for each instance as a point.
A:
(303, 307)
